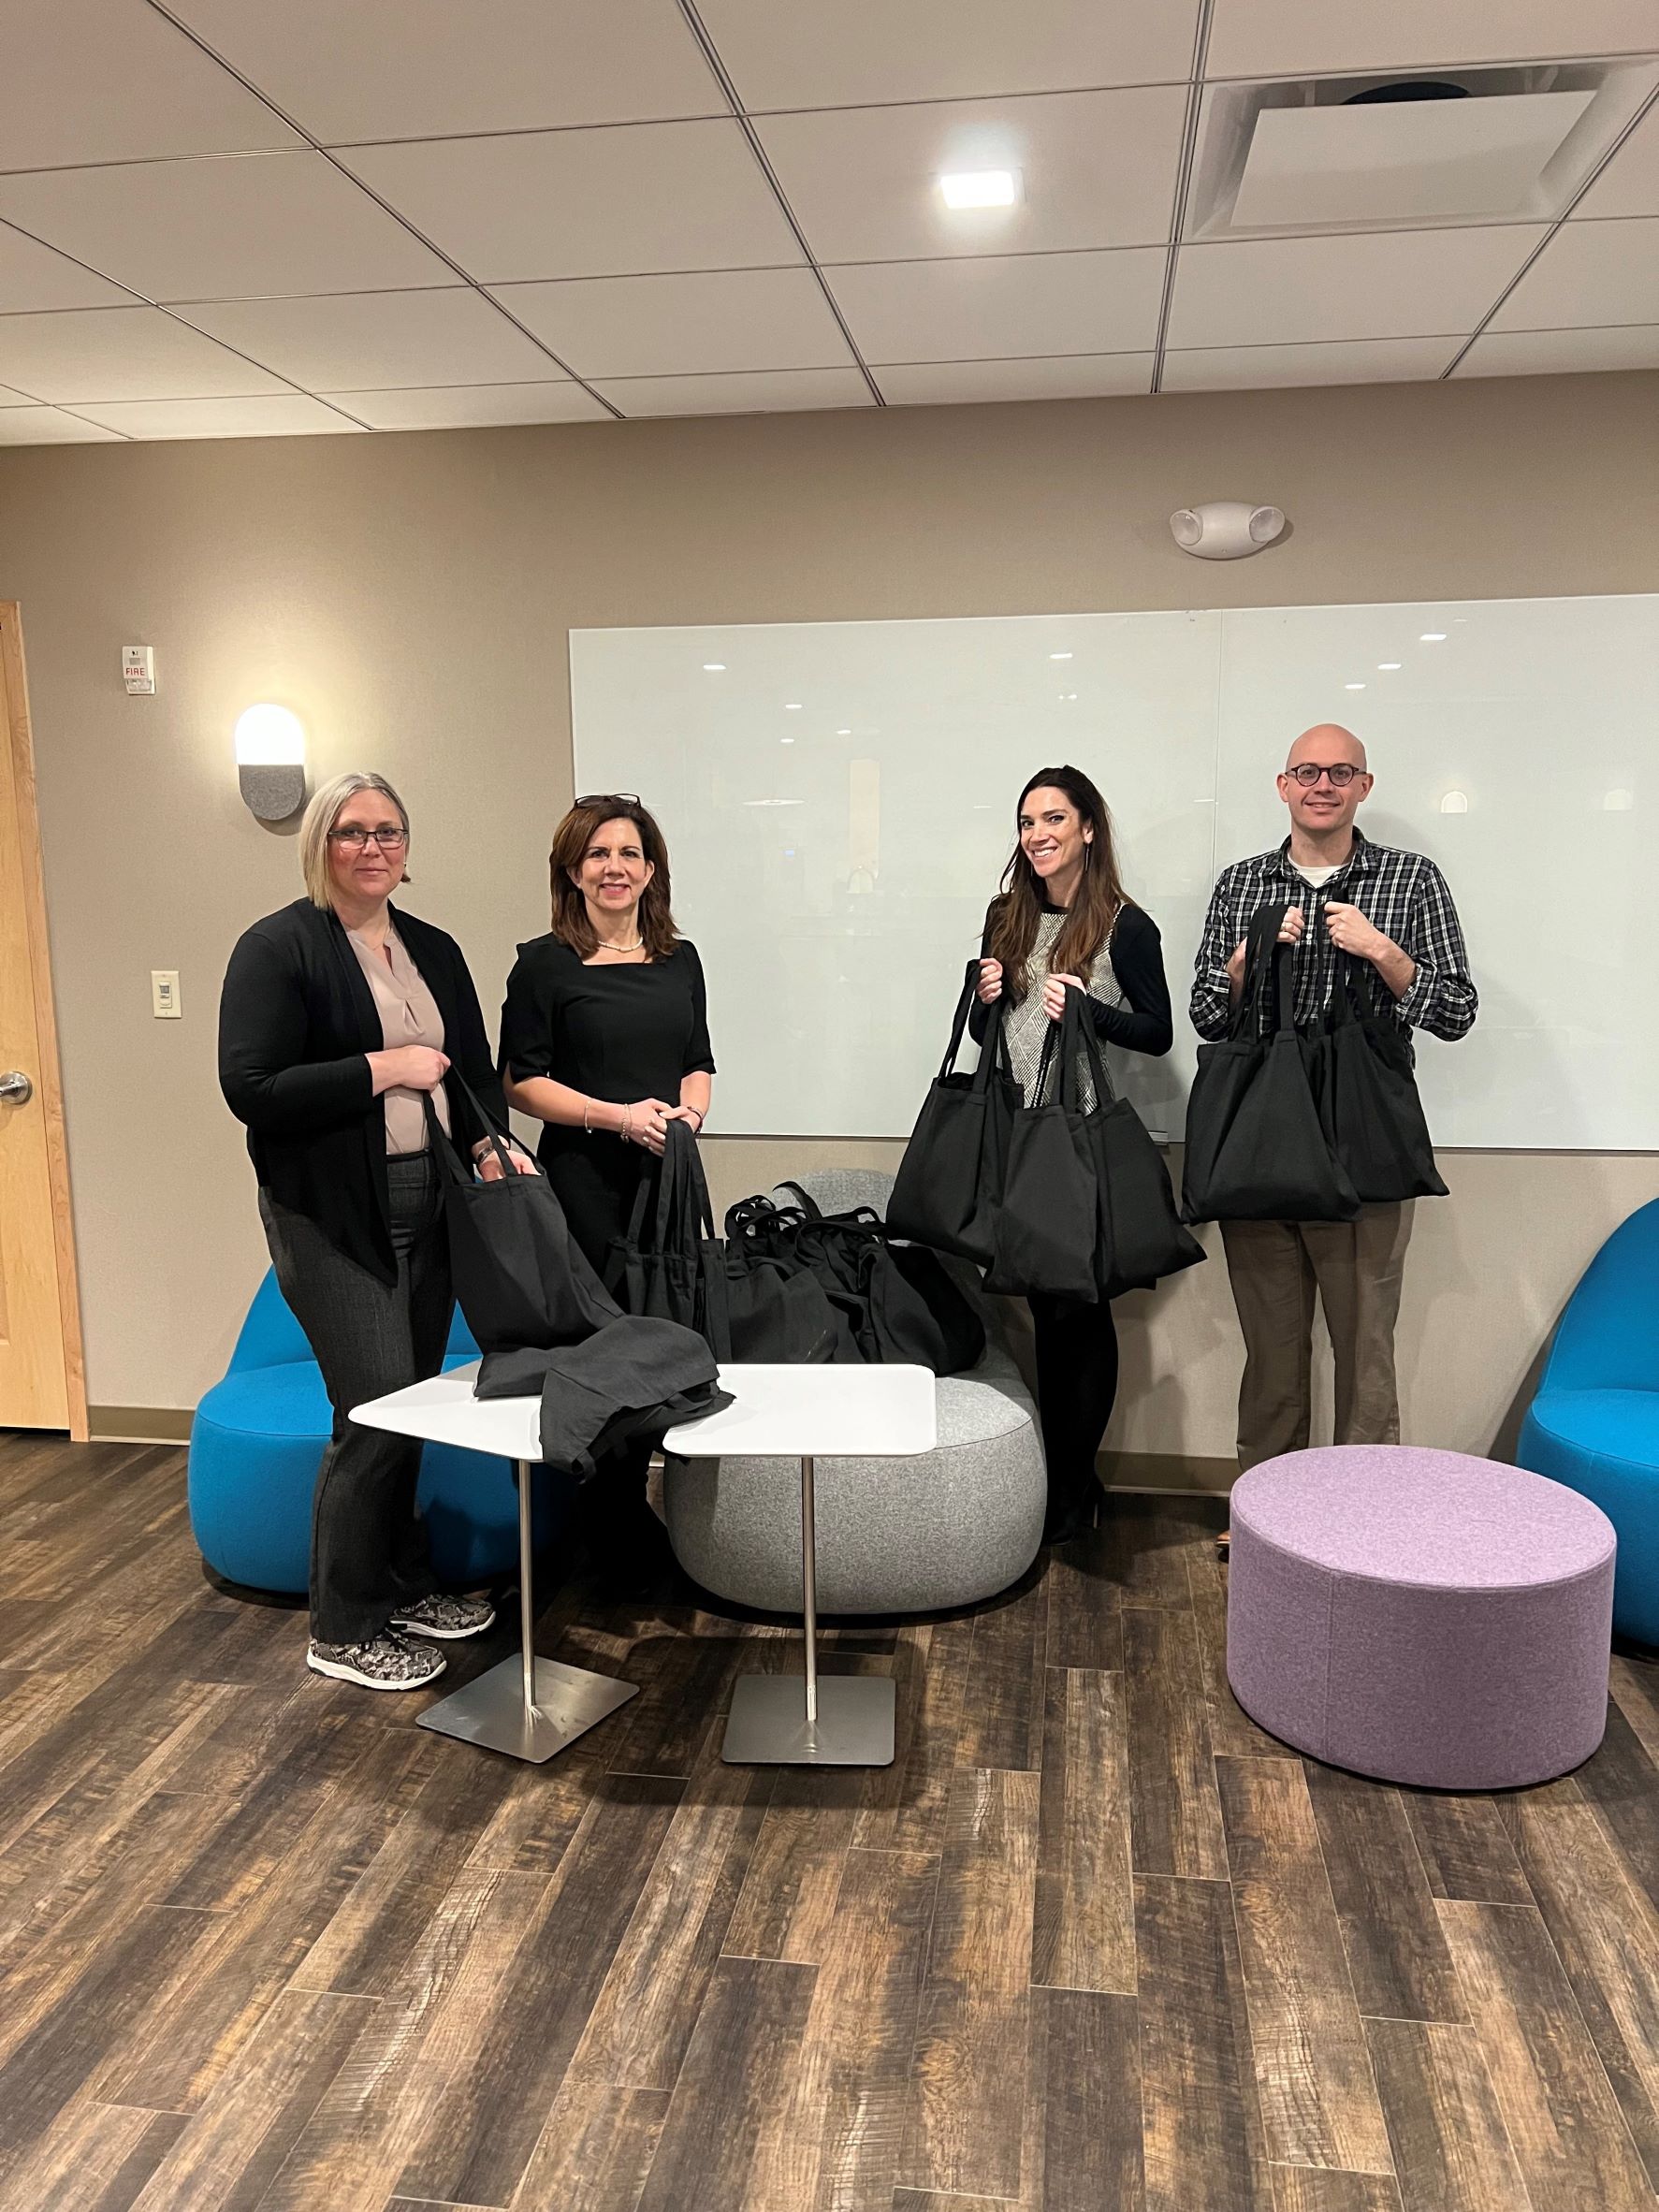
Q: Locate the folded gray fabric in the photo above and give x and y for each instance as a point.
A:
(630, 1381)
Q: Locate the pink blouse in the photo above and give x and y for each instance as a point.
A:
(408, 1015)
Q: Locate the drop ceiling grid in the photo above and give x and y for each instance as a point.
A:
(664, 208)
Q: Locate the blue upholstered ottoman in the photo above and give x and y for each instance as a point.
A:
(254, 1445)
(1594, 1423)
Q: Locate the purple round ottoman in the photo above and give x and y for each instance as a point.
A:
(1420, 1616)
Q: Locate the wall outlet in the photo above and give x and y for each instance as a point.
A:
(164, 993)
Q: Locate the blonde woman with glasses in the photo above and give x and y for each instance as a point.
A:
(340, 1021)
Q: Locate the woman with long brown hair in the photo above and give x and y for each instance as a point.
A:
(1063, 922)
(604, 1040)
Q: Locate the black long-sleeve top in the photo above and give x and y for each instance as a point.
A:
(296, 1023)
(1143, 1024)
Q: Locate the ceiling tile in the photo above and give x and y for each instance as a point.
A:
(845, 54)
(1097, 168)
(1359, 360)
(764, 392)
(114, 81)
(223, 229)
(1380, 285)
(371, 340)
(667, 325)
(1311, 37)
(1002, 306)
(1590, 273)
(633, 202)
(1561, 353)
(290, 415)
(1629, 185)
(491, 65)
(33, 276)
(119, 353)
(470, 405)
(46, 426)
(1073, 376)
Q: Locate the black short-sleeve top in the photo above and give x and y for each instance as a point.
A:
(616, 1031)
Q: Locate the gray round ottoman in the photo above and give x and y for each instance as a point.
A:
(1420, 1616)
(915, 1535)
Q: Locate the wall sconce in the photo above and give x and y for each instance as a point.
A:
(270, 762)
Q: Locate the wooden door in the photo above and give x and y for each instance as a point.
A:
(41, 1385)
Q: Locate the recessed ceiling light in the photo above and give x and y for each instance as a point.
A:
(1059, 656)
(843, 732)
(1455, 802)
(1433, 637)
(1353, 687)
(981, 188)
(786, 741)
(791, 707)
(1387, 665)
(714, 668)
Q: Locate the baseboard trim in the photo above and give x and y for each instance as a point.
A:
(1167, 1473)
(138, 1424)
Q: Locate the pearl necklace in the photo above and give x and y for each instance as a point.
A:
(636, 946)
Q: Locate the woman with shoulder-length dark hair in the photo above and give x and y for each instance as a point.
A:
(340, 1021)
(604, 1040)
(1063, 922)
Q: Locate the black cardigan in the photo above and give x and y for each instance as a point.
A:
(297, 1019)
(1144, 1023)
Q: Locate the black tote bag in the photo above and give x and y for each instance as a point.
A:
(904, 1308)
(671, 1266)
(949, 1180)
(1047, 1222)
(520, 1279)
(1140, 1238)
(1256, 1146)
(760, 1239)
(1369, 1103)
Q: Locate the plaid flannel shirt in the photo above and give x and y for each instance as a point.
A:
(1401, 894)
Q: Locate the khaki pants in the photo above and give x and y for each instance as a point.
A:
(1356, 1268)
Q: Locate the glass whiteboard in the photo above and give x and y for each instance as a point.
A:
(839, 802)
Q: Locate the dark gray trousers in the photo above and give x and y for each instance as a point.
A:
(368, 1548)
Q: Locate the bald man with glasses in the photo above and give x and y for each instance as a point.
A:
(1390, 912)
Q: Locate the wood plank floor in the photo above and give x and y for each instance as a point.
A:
(1093, 1940)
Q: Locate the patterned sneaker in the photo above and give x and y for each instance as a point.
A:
(447, 1619)
(390, 1663)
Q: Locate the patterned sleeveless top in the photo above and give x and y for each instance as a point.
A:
(1025, 1025)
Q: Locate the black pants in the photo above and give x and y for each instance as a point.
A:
(1076, 1348)
(368, 1548)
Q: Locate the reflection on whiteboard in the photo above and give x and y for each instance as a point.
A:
(839, 802)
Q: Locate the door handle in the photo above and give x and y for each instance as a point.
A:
(16, 1089)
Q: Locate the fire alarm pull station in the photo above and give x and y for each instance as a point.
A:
(137, 667)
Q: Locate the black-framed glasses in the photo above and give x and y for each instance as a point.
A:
(1342, 773)
(353, 839)
(603, 798)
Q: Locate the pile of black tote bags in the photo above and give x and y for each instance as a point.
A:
(1045, 1196)
(1288, 1123)
(789, 1286)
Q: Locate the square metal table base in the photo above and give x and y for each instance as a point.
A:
(491, 1711)
(768, 1725)
(527, 1706)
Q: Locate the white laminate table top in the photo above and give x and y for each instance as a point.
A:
(784, 1412)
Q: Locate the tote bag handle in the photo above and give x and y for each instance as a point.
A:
(447, 1151)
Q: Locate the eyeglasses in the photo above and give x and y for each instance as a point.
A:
(354, 839)
(603, 798)
(1342, 773)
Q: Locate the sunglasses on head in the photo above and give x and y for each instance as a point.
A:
(603, 798)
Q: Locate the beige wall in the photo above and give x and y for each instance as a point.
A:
(410, 596)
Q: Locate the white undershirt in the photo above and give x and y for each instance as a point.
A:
(1316, 879)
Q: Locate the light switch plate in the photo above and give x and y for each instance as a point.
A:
(164, 993)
